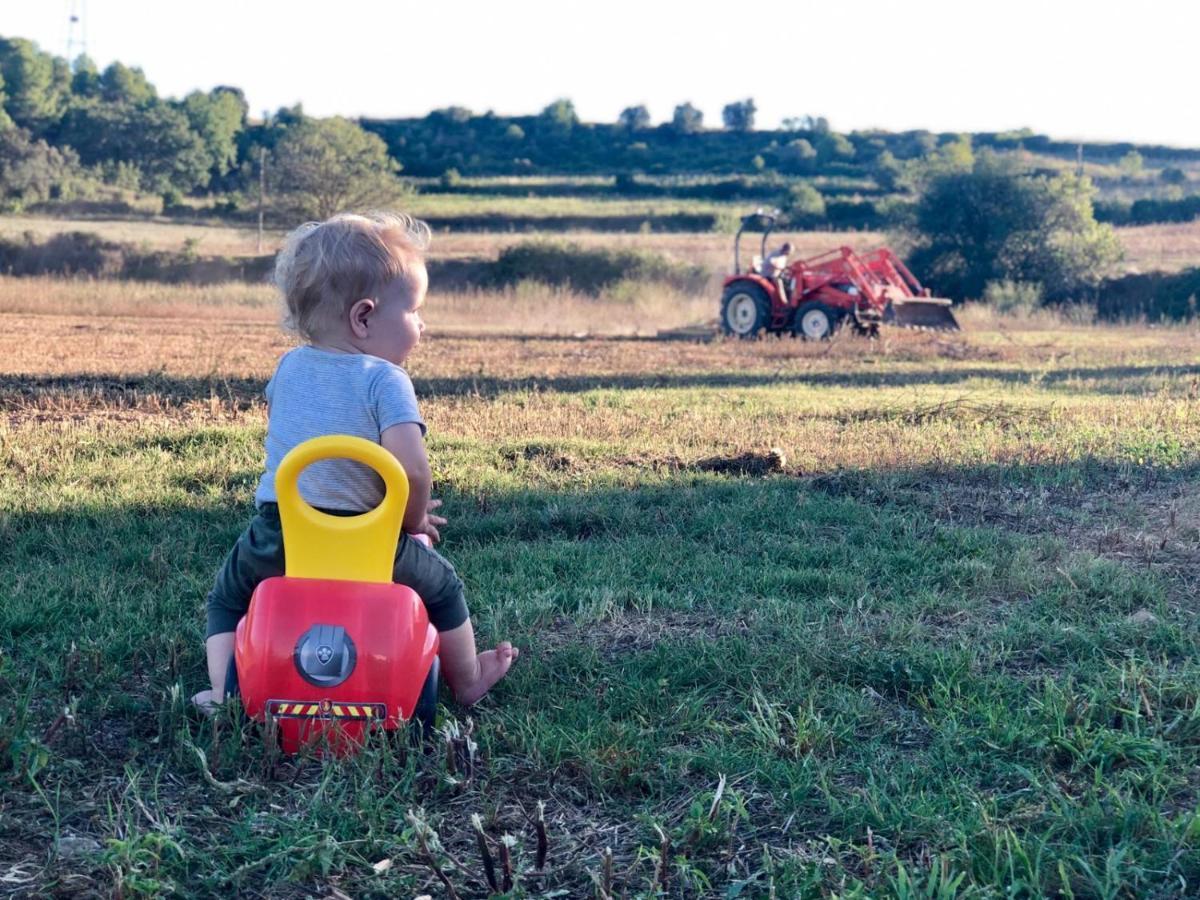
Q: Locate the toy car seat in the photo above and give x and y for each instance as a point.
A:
(333, 648)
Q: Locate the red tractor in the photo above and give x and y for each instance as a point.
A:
(814, 297)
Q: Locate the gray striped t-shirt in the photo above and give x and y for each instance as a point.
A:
(317, 392)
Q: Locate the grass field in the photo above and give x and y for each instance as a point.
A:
(912, 617)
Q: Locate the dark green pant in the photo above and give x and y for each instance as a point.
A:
(258, 555)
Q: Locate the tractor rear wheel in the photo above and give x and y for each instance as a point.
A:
(814, 321)
(745, 311)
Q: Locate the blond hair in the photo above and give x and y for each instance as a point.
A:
(326, 267)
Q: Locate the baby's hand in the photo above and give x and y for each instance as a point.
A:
(432, 522)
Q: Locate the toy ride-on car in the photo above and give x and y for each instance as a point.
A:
(333, 648)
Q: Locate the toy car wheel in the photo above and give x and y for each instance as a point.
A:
(815, 321)
(426, 709)
(745, 311)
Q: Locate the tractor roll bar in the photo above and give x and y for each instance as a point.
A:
(757, 219)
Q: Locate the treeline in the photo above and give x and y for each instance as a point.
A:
(67, 128)
(1149, 211)
(557, 142)
(61, 123)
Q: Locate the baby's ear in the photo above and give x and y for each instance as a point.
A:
(360, 312)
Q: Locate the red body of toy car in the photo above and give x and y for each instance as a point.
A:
(333, 649)
(328, 660)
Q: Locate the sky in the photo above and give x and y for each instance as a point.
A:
(1074, 70)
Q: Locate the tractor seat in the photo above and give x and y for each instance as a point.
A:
(756, 264)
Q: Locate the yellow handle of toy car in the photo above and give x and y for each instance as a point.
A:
(343, 548)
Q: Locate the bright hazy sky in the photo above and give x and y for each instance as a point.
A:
(1072, 69)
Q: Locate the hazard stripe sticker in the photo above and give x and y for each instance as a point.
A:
(291, 709)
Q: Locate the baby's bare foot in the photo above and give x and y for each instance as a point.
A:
(204, 702)
(493, 665)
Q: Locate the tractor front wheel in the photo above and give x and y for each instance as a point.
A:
(745, 311)
(815, 321)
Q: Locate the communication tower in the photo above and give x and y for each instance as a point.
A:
(76, 29)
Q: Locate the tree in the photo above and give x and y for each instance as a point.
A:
(634, 118)
(32, 171)
(739, 115)
(514, 133)
(324, 166)
(815, 124)
(155, 137)
(218, 117)
(36, 85)
(833, 147)
(803, 203)
(5, 121)
(85, 82)
(887, 171)
(121, 84)
(455, 115)
(687, 119)
(1173, 175)
(796, 157)
(1131, 165)
(956, 154)
(994, 223)
(915, 144)
(559, 117)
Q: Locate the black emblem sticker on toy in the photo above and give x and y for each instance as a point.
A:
(325, 655)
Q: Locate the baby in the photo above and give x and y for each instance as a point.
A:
(353, 287)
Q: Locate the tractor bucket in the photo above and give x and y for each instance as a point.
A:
(923, 313)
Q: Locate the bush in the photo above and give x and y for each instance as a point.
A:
(83, 254)
(1013, 297)
(68, 254)
(1155, 296)
(589, 270)
(33, 171)
(803, 204)
(1173, 175)
(991, 222)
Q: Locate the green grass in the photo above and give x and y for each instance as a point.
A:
(914, 660)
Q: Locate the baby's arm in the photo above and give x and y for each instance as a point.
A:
(405, 442)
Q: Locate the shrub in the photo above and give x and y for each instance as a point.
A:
(803, 203)
(83, 254)
(1173, 175)
(32, 171)
(1154, 296)
(991, 222)
(1013, 297)
(796, 157)
(69, 254)
(588, 270)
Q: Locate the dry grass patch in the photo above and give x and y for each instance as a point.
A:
(1161, 248)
